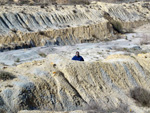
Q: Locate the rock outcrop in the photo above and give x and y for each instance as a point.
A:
(58, 84)
(66, 25)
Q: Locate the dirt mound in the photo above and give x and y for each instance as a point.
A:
(59, 84)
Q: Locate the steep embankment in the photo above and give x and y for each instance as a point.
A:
(65, 25)
(56, 83)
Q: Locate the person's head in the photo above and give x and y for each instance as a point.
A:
(77, 53)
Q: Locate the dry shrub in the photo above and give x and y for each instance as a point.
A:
(6, 75)
(41, 2)
(120, 1)
(86, 2)
(42, 54)
(17, 60)
(41, 33)
(14, 30)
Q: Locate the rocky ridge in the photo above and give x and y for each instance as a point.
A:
(59, 84)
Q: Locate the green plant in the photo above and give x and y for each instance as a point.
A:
(107, 50)
(99, 53)
(17, 60)
(86, 2)
(21, 2)
(6, 75)
(42, 54)
(133, 57)
(142, 52)
(125, 49)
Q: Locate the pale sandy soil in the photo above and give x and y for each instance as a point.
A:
(143, 29)
(128, 44)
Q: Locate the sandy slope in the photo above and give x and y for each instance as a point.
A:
(143, 29)
(113, 78)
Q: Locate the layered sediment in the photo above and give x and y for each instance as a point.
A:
(58, 84)
(66, 25)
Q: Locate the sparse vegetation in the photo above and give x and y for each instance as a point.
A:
(42, 2)
(132, 57)
(107, 50)
(136, 50)
(68, 25)
(24, 2)
(17, 60)
(94, 36)
(142, 52)
(42, 55)
(41, 33)
(14, 30)
(87, 2)
(42, 6)
(74, 11)
(125, 49)
(99, 53)
(6, 75)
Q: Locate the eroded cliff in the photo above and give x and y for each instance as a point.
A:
(30, 26)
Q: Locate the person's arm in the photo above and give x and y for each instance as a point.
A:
(73, 58)
(82, 59)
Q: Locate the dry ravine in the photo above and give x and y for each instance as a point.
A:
(37, 74)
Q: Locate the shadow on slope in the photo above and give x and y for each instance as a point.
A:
(141, 96)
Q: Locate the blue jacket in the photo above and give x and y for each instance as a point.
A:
(78, 58)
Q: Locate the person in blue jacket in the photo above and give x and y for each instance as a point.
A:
(78, 57)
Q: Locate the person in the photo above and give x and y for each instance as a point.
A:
(77, 57)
